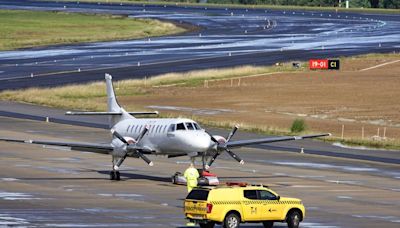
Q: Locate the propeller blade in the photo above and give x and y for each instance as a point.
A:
(119, 136)
(147, 160)
(212, 137)
(235, 128)
(212, 159)
(237, 158)
(145, 130)
(119, 162)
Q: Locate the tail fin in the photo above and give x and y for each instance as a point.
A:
(112, 103)
(114, 111)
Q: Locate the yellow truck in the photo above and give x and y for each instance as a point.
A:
(238, 203)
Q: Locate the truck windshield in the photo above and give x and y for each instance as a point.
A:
(198, 194)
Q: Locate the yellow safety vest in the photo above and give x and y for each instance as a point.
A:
(191, 175)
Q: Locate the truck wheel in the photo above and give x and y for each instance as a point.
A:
(293, 219)
(268, 224)
(207, 225)
(232, 220)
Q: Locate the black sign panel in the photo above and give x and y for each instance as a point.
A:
(333, 64)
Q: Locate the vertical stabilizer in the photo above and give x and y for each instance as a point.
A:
(113, 105)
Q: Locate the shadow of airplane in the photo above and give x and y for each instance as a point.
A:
(136, 176)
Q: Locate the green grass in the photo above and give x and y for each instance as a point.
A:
(278, 7)
(22, 29)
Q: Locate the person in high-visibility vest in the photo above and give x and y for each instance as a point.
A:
(191, 175)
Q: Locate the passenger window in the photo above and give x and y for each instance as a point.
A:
(133, 126)
(266, 195)
(180, 126)
(189, 126)
(136, 128)
(165, 128)
(171, 128)
(250, 194)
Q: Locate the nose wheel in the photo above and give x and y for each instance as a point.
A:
(115, 175)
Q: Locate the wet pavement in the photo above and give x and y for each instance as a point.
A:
(55, 187)
(226, 37)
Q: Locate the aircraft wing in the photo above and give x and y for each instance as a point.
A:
(247, 142)
(89, 147)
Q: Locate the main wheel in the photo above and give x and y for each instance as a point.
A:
(232, 220)
(268, 224)
(112, 175)
(293, 219)
(117, 176)
(207, 225)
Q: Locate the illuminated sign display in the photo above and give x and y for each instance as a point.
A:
(324, 64)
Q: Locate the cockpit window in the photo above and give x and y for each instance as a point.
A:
(196, 126)
(180, 126)
(189, 126)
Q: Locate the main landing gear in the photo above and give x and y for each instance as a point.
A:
(115, 175)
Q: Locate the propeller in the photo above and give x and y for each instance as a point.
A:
(122, 139)
(223, 147)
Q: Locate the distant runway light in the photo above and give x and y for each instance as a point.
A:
(31, 75)
(199, 34)
(79, 69)
(138, 63)
(231, 13)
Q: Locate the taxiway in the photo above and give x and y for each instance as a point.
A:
(226, 37)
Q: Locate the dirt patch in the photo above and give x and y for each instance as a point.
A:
(325, 99)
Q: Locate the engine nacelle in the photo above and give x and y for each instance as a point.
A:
(130, 140)
(220, 139)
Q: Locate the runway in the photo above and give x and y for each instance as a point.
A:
(54, 187)
(226, 37)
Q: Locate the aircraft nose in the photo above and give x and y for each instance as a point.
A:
(202, 142)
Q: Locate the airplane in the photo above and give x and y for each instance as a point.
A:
(174, 137)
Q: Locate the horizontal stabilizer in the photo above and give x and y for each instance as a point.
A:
(109, 113)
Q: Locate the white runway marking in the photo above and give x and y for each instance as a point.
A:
(380, 65)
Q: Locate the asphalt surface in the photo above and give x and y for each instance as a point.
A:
(40, 113)
(226, 37)
(55, 187)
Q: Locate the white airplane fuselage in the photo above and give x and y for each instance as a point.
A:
(164, 137)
